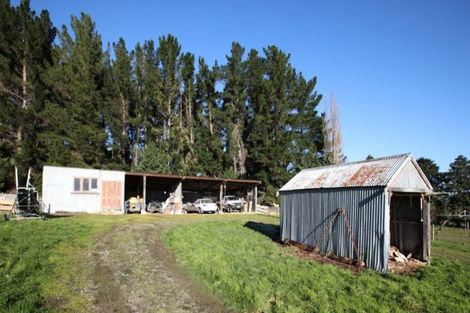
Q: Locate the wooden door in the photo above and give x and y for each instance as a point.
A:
(111, 196)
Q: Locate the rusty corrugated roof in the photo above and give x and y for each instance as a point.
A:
(369, 173)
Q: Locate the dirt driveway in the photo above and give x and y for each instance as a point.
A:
(134, 272)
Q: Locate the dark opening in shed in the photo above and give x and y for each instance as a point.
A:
(406, 223)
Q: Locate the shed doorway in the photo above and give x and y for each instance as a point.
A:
(406, 224)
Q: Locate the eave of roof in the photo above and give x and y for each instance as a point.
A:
(201, 178)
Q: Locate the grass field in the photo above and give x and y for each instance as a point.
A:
(253, 274)
(43, 266)
(453, 243)
(41, 260)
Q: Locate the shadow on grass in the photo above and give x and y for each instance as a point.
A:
(58, 215)
(269, 230)
(17, 217)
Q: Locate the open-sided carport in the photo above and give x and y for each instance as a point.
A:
(159, 187)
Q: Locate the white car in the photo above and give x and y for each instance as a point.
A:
(205, 206)
(232, 203)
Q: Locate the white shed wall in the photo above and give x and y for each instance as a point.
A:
(409, 179)
(58, 189)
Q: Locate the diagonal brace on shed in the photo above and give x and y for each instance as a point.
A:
(329, 226)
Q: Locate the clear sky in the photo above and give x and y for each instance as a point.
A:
(400, 70)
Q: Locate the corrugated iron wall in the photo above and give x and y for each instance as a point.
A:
(305, 215)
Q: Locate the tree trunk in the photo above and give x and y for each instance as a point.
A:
(19, 133)
(124, 127)
(239, 158)
(190, 121)
(135, 159)
(25, 91)
(181, 114)
(168, 122)
(211, 128)
(24, 102)
(242, 158)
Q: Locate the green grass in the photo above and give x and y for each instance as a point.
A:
(43, 266)
(253, 274)
(42, 263)
(453, 243)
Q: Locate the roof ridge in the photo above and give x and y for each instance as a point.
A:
(405, 155)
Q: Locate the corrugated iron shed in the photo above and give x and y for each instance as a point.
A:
(369, 173)
(364, 191)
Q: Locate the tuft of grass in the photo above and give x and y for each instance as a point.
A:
(254, 274)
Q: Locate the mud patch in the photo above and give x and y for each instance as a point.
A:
(134, 272)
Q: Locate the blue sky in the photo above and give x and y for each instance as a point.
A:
(399, 69)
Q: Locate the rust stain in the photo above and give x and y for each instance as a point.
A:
(377, 172)
(363, 174)
(320, 179)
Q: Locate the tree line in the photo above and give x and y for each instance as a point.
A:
(453, 186)
(64, 100)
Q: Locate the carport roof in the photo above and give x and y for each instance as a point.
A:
(231, 181)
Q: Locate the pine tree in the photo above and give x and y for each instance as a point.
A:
(278, 153)
(168, 54)
(9, 95)
(258, 123)
(120, 101)
(138, 110)
(305, 125)
(438, 180)
(25, 54)
(73, 104)
(208, 144)
(458, 184)
(76, 112)
(154, 160)
(431, 170)
(234, 110)
(187, 113)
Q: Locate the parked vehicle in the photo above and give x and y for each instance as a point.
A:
(232, 203)
(155, 207)
(134, 205)
(205, 205)
(190, 207)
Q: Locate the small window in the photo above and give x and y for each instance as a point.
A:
(76, 184)
(94, 183)
(86, 184)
